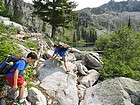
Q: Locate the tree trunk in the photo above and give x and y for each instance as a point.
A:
(15, 8)
(53, 32)
(7, 4)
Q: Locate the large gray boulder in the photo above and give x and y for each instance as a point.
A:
(58, 84)
(90, 79)
(2, 102)
(7, 21)
(36, 97)
(92, 62)
(118, 91)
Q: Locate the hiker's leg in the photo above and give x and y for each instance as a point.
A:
(64, 59)
(65, 65)
(21, 92)
(22, 85)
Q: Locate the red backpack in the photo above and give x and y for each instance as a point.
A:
(63, 47)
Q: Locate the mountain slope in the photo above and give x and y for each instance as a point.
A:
(112, 15)
(129, 6)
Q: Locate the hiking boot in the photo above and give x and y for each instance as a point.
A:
(67, 71)
(23, 103)
(14, 103)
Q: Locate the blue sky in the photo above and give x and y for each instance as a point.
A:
(87, 3)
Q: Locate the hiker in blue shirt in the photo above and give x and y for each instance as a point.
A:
(20, 65)
(61, 51)
(15, 78)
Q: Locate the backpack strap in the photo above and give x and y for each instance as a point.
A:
(14, 64)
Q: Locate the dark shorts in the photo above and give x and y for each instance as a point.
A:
(64, 58)
(20, 80)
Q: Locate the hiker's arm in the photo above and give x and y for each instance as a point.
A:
(56, 55)
(15, 79)
(51, 56)
(23, 74)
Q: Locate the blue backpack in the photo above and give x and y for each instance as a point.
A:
(8, 63)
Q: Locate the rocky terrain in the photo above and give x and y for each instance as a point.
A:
(81, 86)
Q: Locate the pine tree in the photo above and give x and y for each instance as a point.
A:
(44, 27)
(2, 8)
(58, 13)
(129, 23)
(74, 37)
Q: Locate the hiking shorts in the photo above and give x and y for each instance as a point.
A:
(20, 80)
(64, 58)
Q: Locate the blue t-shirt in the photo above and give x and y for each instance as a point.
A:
(61, 53)
(19, 65)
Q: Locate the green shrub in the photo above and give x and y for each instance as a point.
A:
(29, 72)
(7, 47)
(31, 45)
(121, 54)
(8, 29)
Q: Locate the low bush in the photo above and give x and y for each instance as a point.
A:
(121, 54)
